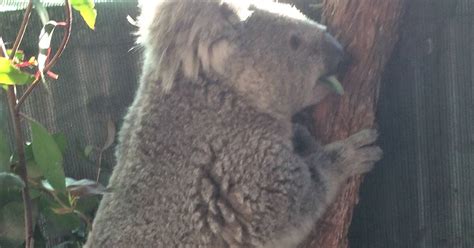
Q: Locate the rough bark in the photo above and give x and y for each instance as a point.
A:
(369, 31)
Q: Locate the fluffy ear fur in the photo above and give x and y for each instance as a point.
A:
(186, 38)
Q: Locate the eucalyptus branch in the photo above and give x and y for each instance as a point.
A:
(21, 32)
(19, 139)
(54, 59)
(14, 107)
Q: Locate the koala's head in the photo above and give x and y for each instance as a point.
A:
(269, 52)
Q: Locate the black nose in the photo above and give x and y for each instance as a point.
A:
(334, 54)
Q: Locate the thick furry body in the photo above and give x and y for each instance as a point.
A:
(206, 154)
(212, 172)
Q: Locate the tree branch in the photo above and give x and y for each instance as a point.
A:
(19, 144)
(14, 108)
(369, 30)
(19, 140)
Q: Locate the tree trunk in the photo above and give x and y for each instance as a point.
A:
(369, 31)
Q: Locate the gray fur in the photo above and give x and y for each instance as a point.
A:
(206, 156)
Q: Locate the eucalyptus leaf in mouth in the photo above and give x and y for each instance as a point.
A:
(333, 83)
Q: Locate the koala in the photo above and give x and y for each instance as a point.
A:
(208, 155)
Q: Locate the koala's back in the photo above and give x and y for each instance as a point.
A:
(187, 163)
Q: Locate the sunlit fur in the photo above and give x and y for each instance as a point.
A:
(206, 152)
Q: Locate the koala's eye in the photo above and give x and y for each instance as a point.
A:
(295, 42)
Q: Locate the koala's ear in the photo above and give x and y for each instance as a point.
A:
(229, 13)
(187, 37)
(214, 44)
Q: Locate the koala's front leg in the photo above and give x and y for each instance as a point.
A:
(338, 161)
(328, 166)
(303, 142)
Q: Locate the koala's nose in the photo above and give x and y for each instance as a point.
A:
(334, 54)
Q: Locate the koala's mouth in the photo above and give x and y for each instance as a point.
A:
(332, 83)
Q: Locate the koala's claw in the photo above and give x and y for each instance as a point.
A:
(368, 157)
(355, 155)
(372, 153)
(363, 138)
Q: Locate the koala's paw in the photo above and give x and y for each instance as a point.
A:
(356, 154)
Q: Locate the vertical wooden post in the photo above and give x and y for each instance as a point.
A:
(369, 30)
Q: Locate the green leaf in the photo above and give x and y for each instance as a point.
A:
(67, 244)
(87, 11)
(61, 141)
(58, 225)
(111, 132)
(10, 181)
(10, 75)
(334, 84)
(34, 171)
(88, 150)
(48, 156)
(7, 196)
(34, 193)
(4, 153)
(40, 241)
(88, 205)
(20, 55)
(3, 114)
(12, 223)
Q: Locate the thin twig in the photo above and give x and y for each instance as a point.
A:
(21, 32)
(99, 165)
(27, 117)
(54, 59)
(27, 93)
